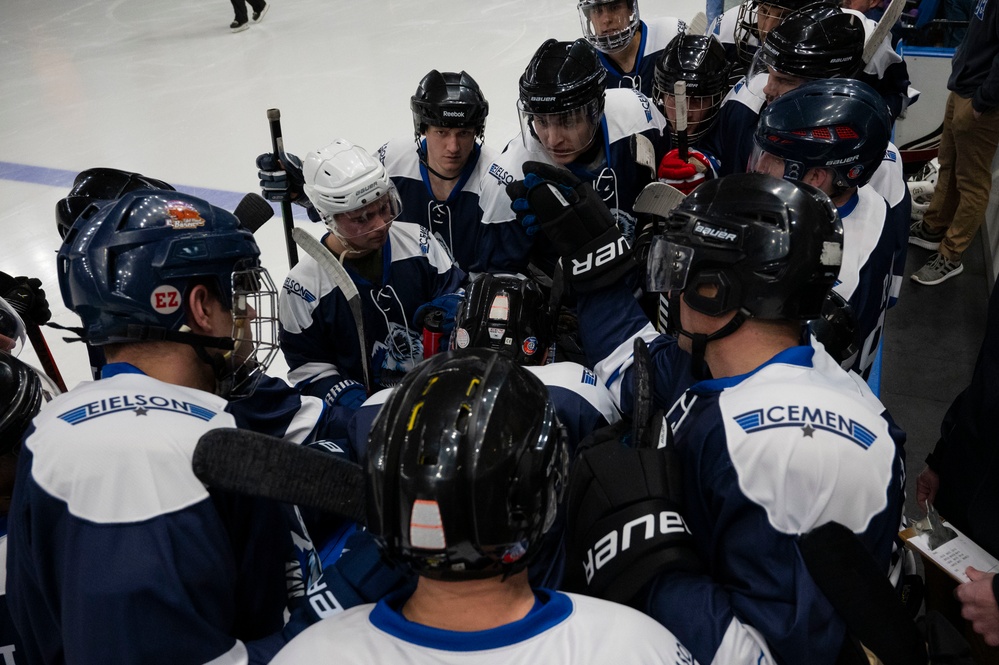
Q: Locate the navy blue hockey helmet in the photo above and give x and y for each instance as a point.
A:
(466, 467)
(449, 99)
(127, 269)
(770, 248)
(839, 124)
(95, 187)
(508, 314)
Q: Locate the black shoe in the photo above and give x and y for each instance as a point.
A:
(236, 26)
(259, 16)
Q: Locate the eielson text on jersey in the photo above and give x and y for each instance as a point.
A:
(140, 404)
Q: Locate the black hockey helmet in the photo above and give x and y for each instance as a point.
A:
(449, 99)
(751, 12)
(97, 186)
(466, 467)
(839, 124)
(772, 248)
(508, 314)
(699, 61)
(20, 400)
(837, 329)
(817, 41)
(561, 77)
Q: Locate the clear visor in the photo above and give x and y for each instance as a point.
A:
(668, 266)
(562, 136)
(767, 83)
(701, 111)
(254, 328)
(12, 332)
(608, 26)
(761, 161)
(376, 217)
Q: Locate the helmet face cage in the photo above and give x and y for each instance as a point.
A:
(755, 21)
(12, 330)
(449, 99)
(255, 327)
(767, 246)
(466, 466)
(507, 314)
(127, 270)
(621, 16)
(839, 124)
(699, 61)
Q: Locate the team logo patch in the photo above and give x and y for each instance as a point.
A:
(530, 346)
(461, 338)
(808, 419)
(165, 299)
(183, 215)
(855, 171)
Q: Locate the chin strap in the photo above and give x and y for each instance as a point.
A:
(699, 341)
(421, 151)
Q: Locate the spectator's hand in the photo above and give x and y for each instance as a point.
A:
(978, 604)
(26, 296)
(280, 181)
(927, 484)
(580, 226)
(684, 175)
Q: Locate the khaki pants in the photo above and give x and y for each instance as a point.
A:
(967, 147)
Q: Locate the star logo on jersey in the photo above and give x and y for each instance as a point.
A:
(808, 431)
(140, 411)
(809, 419)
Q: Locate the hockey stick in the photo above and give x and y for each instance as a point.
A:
(331, 266)
(645, 154)
(42, 351)
(680, 104)
(252, 211)
(882, 29)
(641, 412)
(698, 25)
(861, 594)
(277, 147)
(658, 198)
(251, 463)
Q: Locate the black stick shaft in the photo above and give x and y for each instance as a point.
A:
(277, 147)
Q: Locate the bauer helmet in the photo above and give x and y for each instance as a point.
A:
(466, 467)
(699, 61)
(126, 271)
(756, 19)
(508, 314)
(350, 189)
(449, 99)
(820, 41)
(562, 99)
(772, 249)
(98, 186)
(609, 25)
(838, 124)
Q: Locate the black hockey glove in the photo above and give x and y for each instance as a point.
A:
(26, 296)
(594, 253)
(280, 181)
(624, 521)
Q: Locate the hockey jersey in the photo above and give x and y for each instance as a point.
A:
(319, 337)
(118, 553)
(655, 37)
(457, 222)
(561, 628)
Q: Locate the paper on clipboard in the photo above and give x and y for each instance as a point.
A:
(953, 556)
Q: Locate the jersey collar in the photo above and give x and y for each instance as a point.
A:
(796, 355)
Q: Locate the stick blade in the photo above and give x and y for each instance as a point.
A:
(251, 463)
(698, 25)
(883, 28)
(658, 198)
(252, 211)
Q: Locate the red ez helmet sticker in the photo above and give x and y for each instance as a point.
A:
(165, 299)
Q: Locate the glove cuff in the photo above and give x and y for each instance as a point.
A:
(600, 262)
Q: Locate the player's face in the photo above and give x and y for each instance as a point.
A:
(768, 17)
(779, 83)
(767, 163)
(610, 18)
(698, 110)
(367, 228)
(565, 136)
(860, 5)
(448, 148)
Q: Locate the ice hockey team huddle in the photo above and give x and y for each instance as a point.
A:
(594, 395)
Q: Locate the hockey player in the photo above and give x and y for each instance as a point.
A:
(116, 548)
(832, 134)
(781, 440)
(610, 138)
(397, 267)
(699, 61)
(465, 473)
(628, 46)
(439, 180)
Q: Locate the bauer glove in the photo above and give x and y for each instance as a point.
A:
(280, 181)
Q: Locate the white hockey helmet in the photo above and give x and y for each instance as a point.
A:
(921, 187)
(343, 177)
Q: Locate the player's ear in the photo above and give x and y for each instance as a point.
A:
(818, 178)
(201, 306)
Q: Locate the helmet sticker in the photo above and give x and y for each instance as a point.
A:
(461, 338)
(426, 529)
(165, 299)
(183, 215)
(530, 346)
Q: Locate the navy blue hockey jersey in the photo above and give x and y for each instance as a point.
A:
(655, 37)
